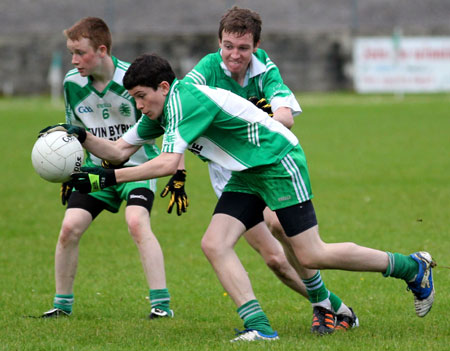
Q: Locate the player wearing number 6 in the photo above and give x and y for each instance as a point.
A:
(97, 101)
(269, 169)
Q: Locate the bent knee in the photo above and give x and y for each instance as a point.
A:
(309, 262)
(208, 247)
(211, 248)
(277, 262)
(138, 222)
(134, 226)
(70, 233)
(312, 259)
(275, 228)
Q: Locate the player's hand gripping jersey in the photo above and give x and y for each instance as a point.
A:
(263, 80)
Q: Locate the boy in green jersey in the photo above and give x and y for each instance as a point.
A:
(243, 68)
(96, 100)
(268, 169)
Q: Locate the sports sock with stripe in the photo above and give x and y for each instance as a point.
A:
(317, 292)
(319, 295)
(160, 298)
(401, 266)
(254, 317)
(63, 302)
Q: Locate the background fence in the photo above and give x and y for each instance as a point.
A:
(311, 41)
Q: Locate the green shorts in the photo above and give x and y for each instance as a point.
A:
(114, 195)
(280, 184)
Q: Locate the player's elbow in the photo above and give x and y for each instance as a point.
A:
(120, 151)
(288, 123)
(117, 158)
(284, 116)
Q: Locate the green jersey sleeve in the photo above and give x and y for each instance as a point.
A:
(222, 127)
(272, 85)
(205, 72)
(187, 118)
(263, 80)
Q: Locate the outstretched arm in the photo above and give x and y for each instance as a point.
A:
(92, 179)
(116, 151)
(164, 164)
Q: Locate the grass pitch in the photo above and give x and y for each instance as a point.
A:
(380, 170)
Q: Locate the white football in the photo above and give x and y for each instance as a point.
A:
(56, 156)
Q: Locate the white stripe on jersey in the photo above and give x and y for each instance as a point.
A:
(269, 64)
(297, 180)
(216, 154)
(253, 135)
(197, 77)
(123, 65)
(175, 111)
(245, 110)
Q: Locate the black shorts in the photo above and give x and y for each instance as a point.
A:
(298, 218)
(246, 208)
(249, 208)
(137, 197)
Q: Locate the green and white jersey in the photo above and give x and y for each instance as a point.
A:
(107, 114)
(217, 125)
(262, 80)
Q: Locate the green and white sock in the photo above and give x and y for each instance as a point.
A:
(160, 298)
(339, 307)
(254, 317)
(317, 292)
(63, 302)
(401, 267)
(319, 295)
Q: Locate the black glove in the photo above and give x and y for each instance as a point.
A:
(66, 191)
(92, 179)
(176, 187)
(108, 165)
(78, 132)
(262, 104)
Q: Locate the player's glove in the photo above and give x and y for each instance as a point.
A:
(108, 165)
(178, 196)
(92, 179)
(78, 132)
(262, 104)
(66, 191)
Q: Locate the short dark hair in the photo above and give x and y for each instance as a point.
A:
(148, 70)
(92, 28)
(241, 21)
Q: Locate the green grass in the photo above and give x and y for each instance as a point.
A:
(380, 170)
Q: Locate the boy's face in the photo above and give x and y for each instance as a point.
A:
(150, 101)
(237, 51)
(84, 57)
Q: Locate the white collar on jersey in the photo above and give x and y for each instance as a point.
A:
(255, 68)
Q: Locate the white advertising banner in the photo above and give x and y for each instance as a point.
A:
(401, 64)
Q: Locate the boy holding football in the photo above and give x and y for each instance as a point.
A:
(268, 169)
